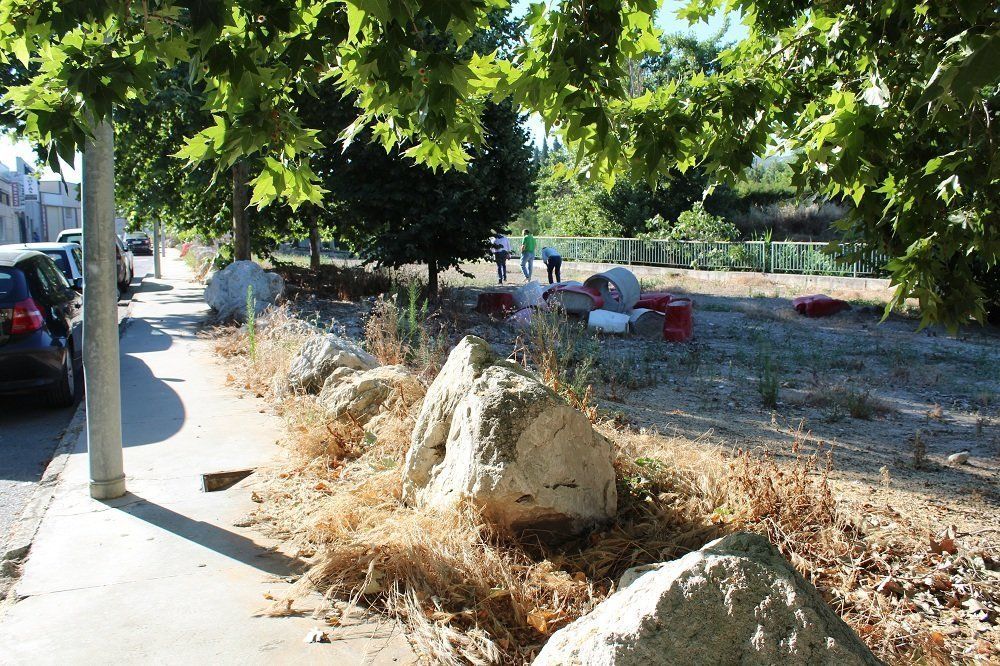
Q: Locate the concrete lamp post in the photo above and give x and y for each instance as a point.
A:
(101, 368)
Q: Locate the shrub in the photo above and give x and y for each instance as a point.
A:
(696, 224)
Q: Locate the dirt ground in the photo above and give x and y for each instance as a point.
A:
(890, 401)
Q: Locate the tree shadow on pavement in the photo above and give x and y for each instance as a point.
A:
(225, 542)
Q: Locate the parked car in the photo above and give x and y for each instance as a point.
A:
(41, 319)
(126, 267)
(68, 258)
(138, 243)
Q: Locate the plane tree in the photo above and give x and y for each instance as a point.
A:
(890, 102)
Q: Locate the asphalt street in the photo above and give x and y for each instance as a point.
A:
(30, 432)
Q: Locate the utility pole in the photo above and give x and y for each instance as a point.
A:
(101, 368)
(157, 242)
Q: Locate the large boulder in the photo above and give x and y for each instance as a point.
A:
(735, 601)
(358, 396)
(466, 362)
(531, 463)
(226, 291)
(320, 355)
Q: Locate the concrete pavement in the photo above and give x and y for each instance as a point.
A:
(162, 575)
(29, 432)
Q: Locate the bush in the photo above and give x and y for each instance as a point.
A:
(696, 224)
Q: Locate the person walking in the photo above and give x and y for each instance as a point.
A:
(501, 250)
(527, 255)
(553, 262)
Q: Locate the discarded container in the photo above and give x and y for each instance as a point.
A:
(654, 300)
(495, 303)
(606, 321)
(576, 300)
(646, 323)
(185, 248)
(521, 318)
(819, 305)
(678, 322)
(618, 287)
(528, 295)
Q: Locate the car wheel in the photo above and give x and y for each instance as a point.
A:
(64, 392)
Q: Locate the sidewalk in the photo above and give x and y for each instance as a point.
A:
(161, 575)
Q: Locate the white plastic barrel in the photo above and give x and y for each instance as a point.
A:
(606, 321)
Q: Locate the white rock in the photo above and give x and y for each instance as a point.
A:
(526, 459)
(959, 458)
(358, 396)
(735, 601)
(320, 356)
(226, 291)
(466, 362)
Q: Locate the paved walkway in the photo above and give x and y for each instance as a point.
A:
(161, 575)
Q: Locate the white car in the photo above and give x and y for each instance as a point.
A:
(68, 258)
(126, 267)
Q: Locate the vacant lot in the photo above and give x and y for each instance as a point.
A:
(873, 408)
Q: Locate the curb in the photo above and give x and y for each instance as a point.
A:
(23, 532)
(27, 526)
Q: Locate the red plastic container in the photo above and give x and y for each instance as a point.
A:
(495, 303)
(678, 322)
(819, 305)
(655, 300)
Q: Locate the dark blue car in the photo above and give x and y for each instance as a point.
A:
(40, 328)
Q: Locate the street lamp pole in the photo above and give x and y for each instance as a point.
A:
(101, 369)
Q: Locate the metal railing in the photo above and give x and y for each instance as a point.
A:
(807, 258)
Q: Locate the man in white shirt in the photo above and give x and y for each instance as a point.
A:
(501, 251)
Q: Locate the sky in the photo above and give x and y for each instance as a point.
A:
(667, 21)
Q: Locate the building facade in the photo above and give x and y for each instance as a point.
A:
(9, 228)
(60, 207)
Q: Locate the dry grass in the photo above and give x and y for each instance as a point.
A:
(468, 596)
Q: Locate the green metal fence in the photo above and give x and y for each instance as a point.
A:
(761, 256)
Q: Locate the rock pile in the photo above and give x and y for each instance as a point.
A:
(735, 601)
(320, 356)
(492, 434)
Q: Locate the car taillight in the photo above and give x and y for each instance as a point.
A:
(26, 317)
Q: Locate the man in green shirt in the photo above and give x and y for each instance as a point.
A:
(527, 255)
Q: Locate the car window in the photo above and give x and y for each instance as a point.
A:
(52, 281)
(61, 262)
(78, 257)
(10, 284)
(72, 238)
(39, 284)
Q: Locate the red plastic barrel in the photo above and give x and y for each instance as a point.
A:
(654, 300)
(678, 322)
(495, 302)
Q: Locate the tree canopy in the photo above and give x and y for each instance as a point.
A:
(889, 102)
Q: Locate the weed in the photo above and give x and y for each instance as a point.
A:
(407, 334)
(767, 378)
(565, 356)
(251, 316)
(919, 450)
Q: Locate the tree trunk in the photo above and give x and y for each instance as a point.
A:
(432, 280)
(241, 201)
(314, 256)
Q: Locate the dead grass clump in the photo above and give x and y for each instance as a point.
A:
(465, 595)
(409, 334)
(841, 399)
(279, 336)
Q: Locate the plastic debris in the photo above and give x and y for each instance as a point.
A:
(578, 300)
(606, 321)
(317, 636)
(678, 323)
(654, 300)
(819, 305)
(495, 303)
(528, 295)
